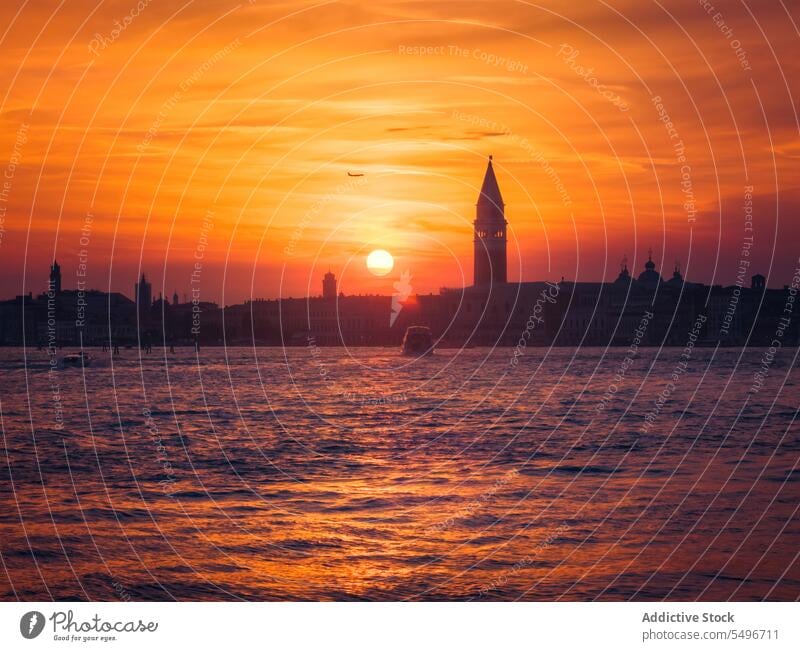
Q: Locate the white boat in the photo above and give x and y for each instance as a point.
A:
(75, 360)
(418, 341)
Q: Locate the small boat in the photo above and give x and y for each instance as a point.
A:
(418, 341)
(76, 360)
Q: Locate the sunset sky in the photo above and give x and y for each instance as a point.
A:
(222, 132)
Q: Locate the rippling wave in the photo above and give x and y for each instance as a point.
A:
(359, 474)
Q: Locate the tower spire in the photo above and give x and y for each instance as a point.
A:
(55, 277)
(490, 198)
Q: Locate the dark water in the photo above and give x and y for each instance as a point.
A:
(334, 474)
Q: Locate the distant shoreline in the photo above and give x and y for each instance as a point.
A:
(447, 347)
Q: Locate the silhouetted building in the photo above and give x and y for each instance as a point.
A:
(329, 286)
(490, 233)
(143, 296)
(624, 277)
(677, 278)
(650, 278)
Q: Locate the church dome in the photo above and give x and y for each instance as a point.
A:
(650, 277)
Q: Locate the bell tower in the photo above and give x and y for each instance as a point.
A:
(329, 286)
(490, 233)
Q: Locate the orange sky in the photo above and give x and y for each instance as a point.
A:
(223, 132)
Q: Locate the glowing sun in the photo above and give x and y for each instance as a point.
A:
(380, 262)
